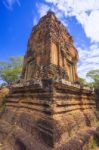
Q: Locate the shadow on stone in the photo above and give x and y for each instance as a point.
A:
(19, 145)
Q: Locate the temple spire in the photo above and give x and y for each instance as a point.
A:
(50, 12)
(51, 53)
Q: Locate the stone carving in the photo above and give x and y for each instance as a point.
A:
(46, 109)
(50, 50)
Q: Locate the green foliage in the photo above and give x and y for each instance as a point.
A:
(83, 81)
(94, 75)
(94, 143)
(10, 70)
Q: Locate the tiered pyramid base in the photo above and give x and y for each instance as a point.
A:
(47, 114)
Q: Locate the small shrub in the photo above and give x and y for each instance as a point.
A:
(94, 143)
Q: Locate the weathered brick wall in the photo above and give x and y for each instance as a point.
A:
(50, 112)
(45, 111)
(50, 44)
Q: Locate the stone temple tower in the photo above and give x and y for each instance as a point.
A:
(50, 53)
(48, 109)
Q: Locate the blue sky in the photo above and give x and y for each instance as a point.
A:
(81, 18)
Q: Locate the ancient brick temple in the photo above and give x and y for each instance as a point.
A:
(48, 109)
(51, 52)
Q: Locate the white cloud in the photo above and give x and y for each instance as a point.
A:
(35, 20)
(42, 9)
(90, 24)
(88, 60)
(85, 11)
(9, 3)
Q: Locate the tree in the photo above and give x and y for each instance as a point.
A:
(10, 70)
(83, 81)
(94, 75)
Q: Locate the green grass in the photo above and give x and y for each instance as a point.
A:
(94, 143)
